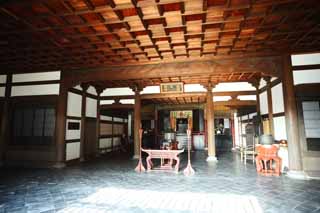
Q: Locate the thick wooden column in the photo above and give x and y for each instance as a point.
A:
(291, 114)
(83, 120)
(61, 124)
(156, 125)
(210, 125)
(5, 119)
(99, 90)
(256, 84)
(270, 110)
(137, 121)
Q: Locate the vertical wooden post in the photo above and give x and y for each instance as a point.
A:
(210, 125)
(231, 120)
(270, 110)
(137, 121)
(156, 126)
(256, 84)
(5, 119)
(99, 90)
(291, 114)
(83, 121)
(61, 123)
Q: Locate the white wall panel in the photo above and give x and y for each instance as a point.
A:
(311, 116)
(91, 107)
(305, 59)
(310, 105)
(194, 88)
(306, 76)
(263, 103)
(117, 91)
(92, 90)
(3, 79)
(280, 131)
(247, 97)
(2, 91)
(116, 141)
(277, 98)
(312, 133)
(126, 101)
(72, 134)
(40, 76)
(252, 115)
(221, 98)
(74, 104)
(106, 102)
(78, 87)
(151, 90)
(262, 83)
(118, 119)
(198, 141)
(72, 150)
(46, 89)
(234, 86)
(105, 143)
(105, 118)
(244, 117)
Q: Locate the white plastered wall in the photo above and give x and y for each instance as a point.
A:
(311, 160)
(91, 107)
(3, 80)
(40, 76)
(263, 103)
(2, 91)
(73, 109)
(30, 90)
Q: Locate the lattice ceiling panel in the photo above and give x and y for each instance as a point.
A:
(72, 34)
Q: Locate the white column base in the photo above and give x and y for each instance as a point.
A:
(212, 159)
(59, 165)
(300, 175)
(135, 157)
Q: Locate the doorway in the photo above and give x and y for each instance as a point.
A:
(90, 141)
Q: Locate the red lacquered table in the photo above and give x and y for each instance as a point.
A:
(169, 155)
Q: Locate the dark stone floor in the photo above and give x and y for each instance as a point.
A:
(110, 184)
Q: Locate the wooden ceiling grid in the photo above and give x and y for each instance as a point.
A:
(75, 34)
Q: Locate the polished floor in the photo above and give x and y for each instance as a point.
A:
(110, 184)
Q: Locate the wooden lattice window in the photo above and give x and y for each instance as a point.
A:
(311, 117)
(33, 125)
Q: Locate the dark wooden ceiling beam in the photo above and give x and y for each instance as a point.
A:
(269, 66)
(178, 96)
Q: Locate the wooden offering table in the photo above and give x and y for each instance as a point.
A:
(267, 155)
(169, 155)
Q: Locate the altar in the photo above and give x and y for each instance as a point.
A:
(166, 156)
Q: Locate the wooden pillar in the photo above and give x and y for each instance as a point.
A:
(256, 84)
(270, 110)
(83, 121)
(61, 124)
(156, 125)
(137, 121)
(210, 125)
(291, 114)
(232, 129)
(99, 90)
(5, 119)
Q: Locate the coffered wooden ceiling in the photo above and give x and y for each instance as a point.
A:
(80, 34)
